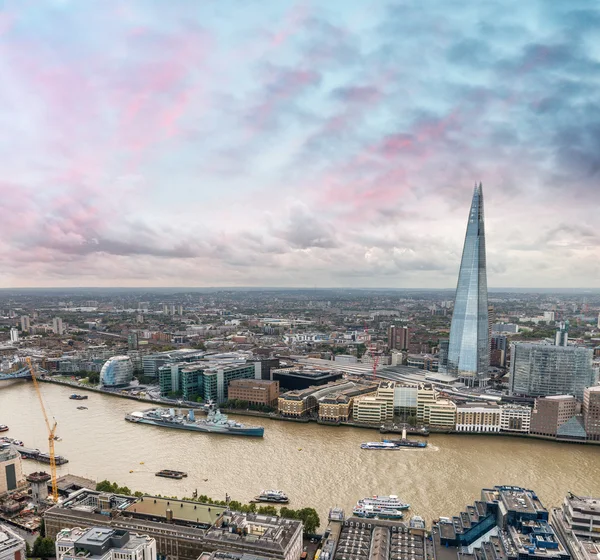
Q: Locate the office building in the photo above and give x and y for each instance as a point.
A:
(440, 414)
(14, 335)
(254, 391)
(444, 345)
(542, 370)
(506, 328)
(498, 350)
(208, 379)
(550, 413)
(515, 418)
(306, 401)
(12, 546)
(426, 394)
(182, 529)
(57, 326)
(398, 337)
(507, 523)
(561, 338)
(478, 417)
(469, 348)
(369, 410)
(591, 412)
(133, 341)
(151, 362)
(103, 543)
(25, 323)
(117, 372)
(11, 472)
(338, 406)
(302, 376)
(406, 399)
(578, 523)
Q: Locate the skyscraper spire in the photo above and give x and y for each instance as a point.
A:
(469, 351)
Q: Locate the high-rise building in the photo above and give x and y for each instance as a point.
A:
(133, 341)
(469, 348)
(14, 335)
(550, 413)
(561, 338)
(398, 337)
(25, 323)
(538, 370)
(591, 412)
(57, 326)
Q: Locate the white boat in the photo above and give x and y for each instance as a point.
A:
(276, 496)
(385, 502)
(381, 513)
(379, 445)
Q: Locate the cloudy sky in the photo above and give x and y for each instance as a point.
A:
(297, 143)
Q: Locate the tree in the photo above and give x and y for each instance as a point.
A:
(27, 550)
(43, 548)
(42, 528)
(412, 420)
(267, 510)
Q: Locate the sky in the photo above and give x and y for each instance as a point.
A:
(297, 143)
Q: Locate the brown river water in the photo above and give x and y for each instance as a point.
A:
(315, 465)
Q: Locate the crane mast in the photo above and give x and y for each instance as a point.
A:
(51, 430)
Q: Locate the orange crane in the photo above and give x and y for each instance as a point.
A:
(51, 430)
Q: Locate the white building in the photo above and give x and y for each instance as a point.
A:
(478, 418)
(14, 334)
(103, 543)
(57, 326)
(12, 546)
(515, 418)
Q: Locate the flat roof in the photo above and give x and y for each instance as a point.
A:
(186, 511)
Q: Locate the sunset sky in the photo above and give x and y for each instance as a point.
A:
(310, 143)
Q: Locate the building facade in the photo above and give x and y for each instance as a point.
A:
(478, 418)
(515, 418)
(440, 414)
(254, 391)
(11, 472)
(398, 337)
(117, 372)
(103, 543)
(12, 546)
(591, 412)
(469, 349)
(550, 413)
(538, 370)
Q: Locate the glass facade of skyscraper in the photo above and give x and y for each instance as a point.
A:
(539, 370)
(469, 348)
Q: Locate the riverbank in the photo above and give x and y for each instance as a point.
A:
(307, 420)
(315, 465)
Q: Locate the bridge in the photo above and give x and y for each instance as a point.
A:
(22, 373)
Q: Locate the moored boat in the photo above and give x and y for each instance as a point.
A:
(3, 428)
(215, 422)
(76, 397)
(274, 496)
(385, 502)
(166, 473)
(377, 512)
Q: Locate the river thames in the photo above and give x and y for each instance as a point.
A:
(315, 465)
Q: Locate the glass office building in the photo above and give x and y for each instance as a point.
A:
(538, 370)
(117, 372)
(469, 346)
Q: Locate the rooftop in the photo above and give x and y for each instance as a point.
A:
(9, 540)
(186, 512)
(254, 531)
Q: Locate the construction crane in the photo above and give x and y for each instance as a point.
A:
(51, 431)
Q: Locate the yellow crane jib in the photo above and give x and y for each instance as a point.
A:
(51, 430)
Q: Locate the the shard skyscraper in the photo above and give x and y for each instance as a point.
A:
(469, 347)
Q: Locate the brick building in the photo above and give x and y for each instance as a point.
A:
(255, 391)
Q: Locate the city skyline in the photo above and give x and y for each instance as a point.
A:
(295, 144)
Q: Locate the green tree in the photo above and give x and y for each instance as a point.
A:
(42, 528)
(27, 550)
(43, 548)
(267, 510)
(412, 420)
